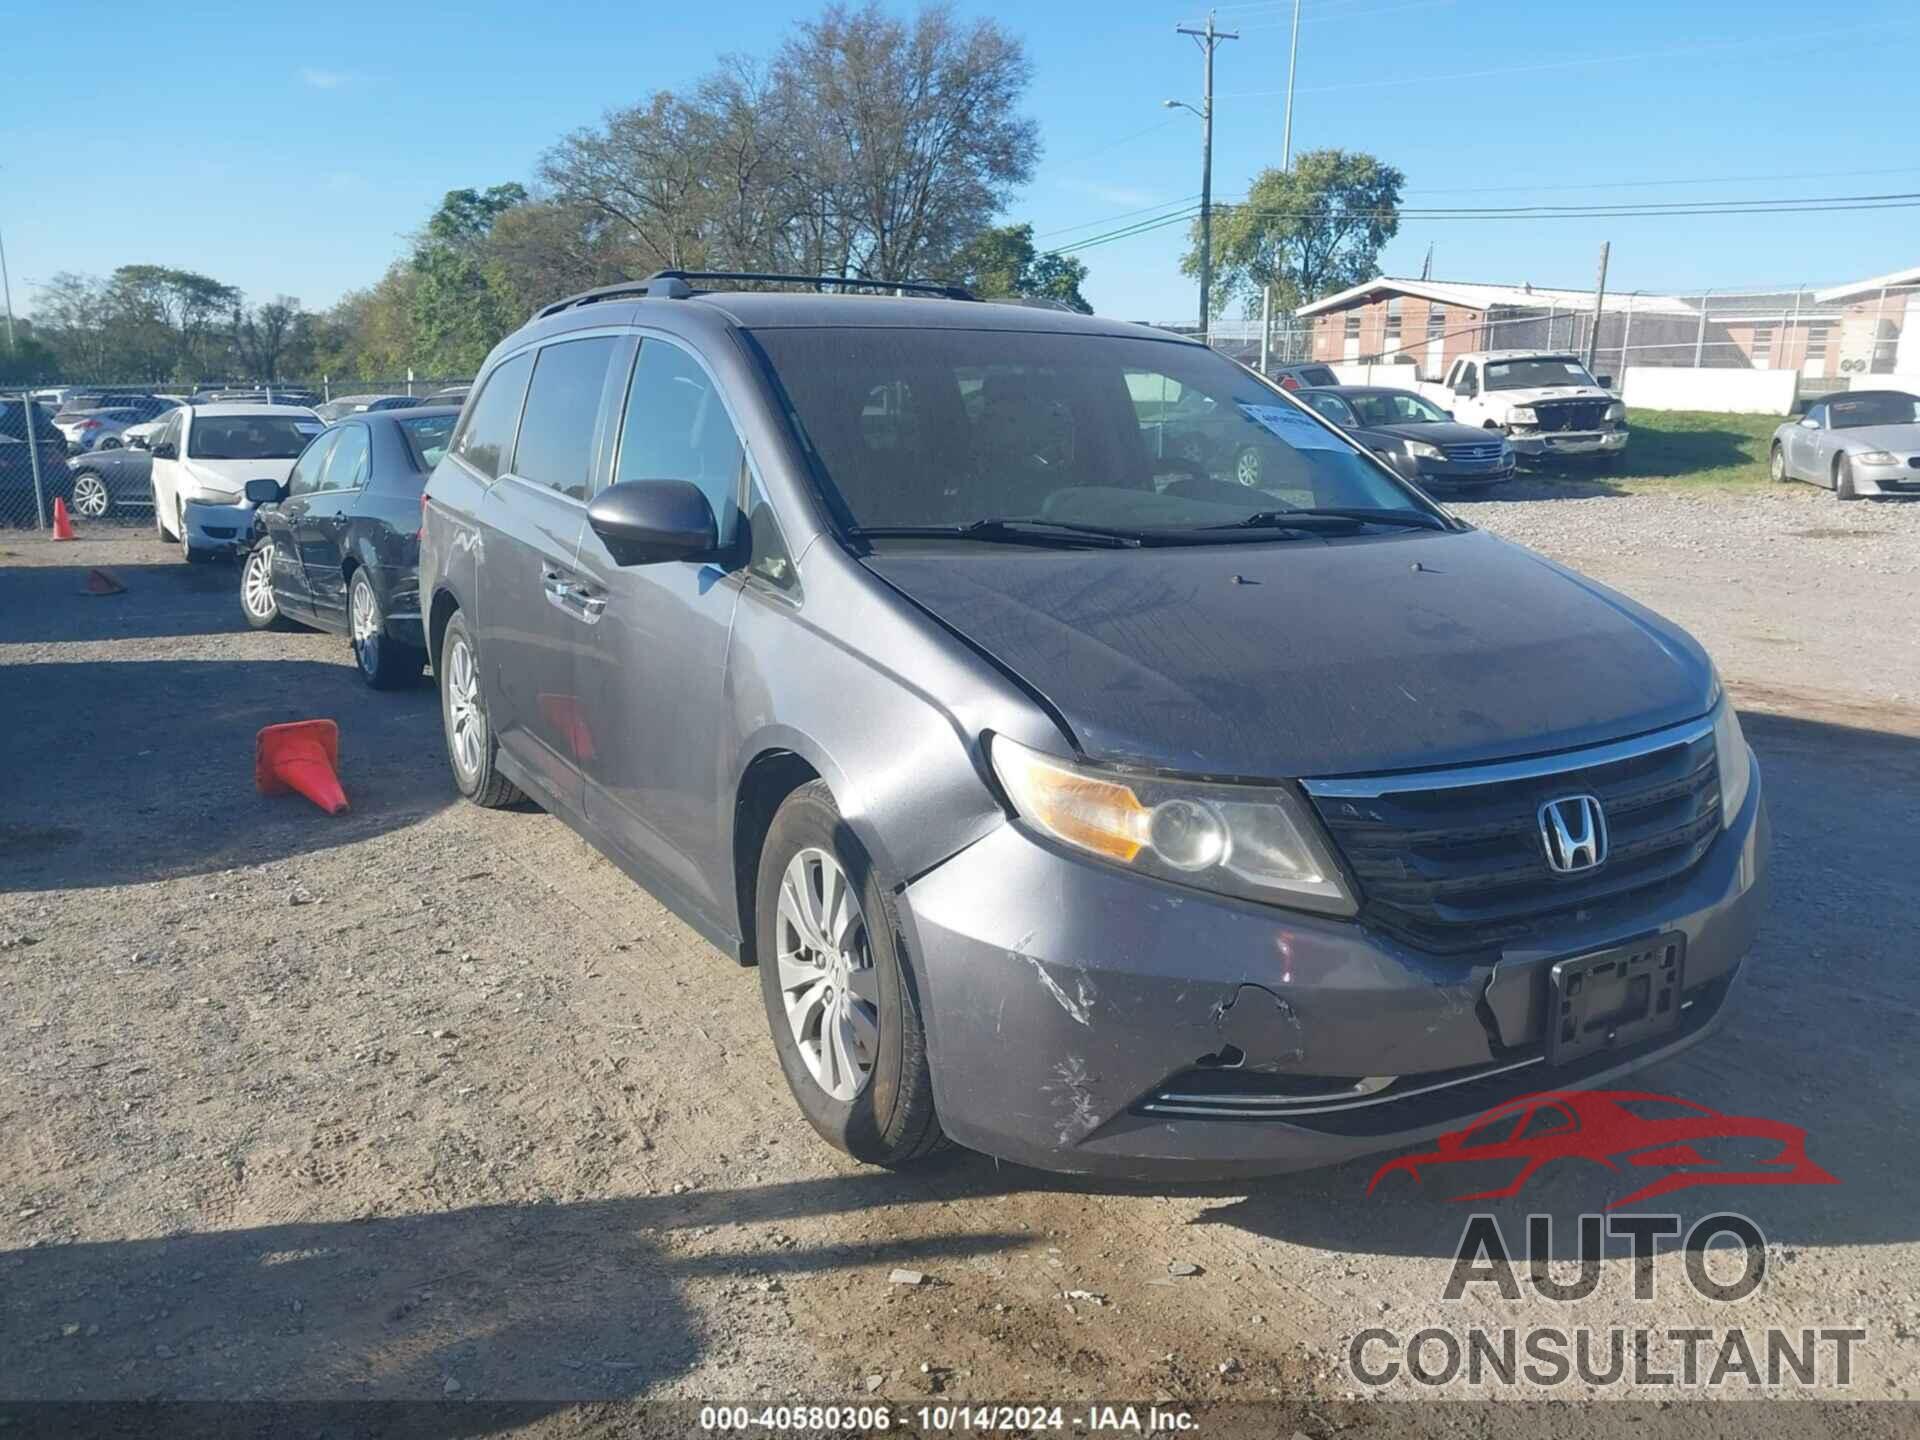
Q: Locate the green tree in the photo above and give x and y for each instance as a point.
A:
(1308, 231)
(1001, 262)
(30, 361)
(459, 311)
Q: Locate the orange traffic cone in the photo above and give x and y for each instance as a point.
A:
(302, 756)
(102, 582)
(62, 522)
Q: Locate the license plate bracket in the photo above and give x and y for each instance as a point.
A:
(1614, 998)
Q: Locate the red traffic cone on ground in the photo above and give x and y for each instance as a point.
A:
(303, 756)
(62, 522)
(102, 582)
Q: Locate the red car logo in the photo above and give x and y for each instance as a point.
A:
(1622, 1129)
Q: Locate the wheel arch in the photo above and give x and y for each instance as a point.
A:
(766, 782)
(445, 605)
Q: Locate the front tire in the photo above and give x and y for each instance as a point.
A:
(838, 989)
(1843, 479)
(472, 751)
(257, 600)
(160, 531)
(385, 663)
(187, 552)
(1777, 465)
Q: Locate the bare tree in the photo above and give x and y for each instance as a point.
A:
(914, 130)
(266, 334)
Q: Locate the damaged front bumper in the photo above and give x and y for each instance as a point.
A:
(1537, 444)
(1084, 1019)
(216, 529)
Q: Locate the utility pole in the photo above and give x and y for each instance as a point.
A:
(6, 284)
(1208, 40)
(1293, 65)
(1599, 299)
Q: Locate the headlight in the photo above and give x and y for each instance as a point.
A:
(1730, 754)
(1617, 411)
(1420, 449)
(1523, 415)
(1256, 842)
(1876, 457)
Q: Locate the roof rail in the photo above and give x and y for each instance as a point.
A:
(676, 285)
(921, 287)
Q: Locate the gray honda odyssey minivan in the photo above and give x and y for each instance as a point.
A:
(1076, 801)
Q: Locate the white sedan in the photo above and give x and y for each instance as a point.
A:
(1863, 442)
(206, 454)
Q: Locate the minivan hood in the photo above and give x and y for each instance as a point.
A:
(1311, 658)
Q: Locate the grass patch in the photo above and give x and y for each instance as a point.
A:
(1695, 449)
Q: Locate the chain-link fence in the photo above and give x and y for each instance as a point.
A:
(1835, 338)
(83, 443)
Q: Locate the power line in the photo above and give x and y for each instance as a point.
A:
(1651, 184)
(1807, 205)
(1183, 202)
(1568, 64)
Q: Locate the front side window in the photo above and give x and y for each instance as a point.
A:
(486, 442)
(1073, 429)
(563, 409)
(677, 429)
(1333, 407)
(250, 437)
(311, 465)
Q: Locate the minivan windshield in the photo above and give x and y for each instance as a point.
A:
(949, 429)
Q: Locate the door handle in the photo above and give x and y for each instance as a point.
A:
(570, 595)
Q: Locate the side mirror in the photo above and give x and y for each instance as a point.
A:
(1809, 423)
(136, 442)
(1447, 413)
(1605, 382)
(166, 451)
(1464, 387)
(264, 492)
(646, 522)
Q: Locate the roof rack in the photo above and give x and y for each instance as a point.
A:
(677, 285)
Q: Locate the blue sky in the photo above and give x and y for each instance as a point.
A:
(288, 150)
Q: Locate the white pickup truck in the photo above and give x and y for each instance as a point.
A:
(1543, 401)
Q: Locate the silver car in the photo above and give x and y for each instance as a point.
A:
(1865, 442)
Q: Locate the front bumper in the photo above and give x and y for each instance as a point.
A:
(1536, 445)
(217, 529)
(1061, 995)
(1455, 472)
(1902, 477)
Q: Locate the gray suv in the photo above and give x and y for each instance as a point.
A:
(1075, 800)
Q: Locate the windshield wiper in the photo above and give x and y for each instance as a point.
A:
(1281, 519)
(1019, 531)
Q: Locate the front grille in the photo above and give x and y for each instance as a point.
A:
(1476, 454)
(1453, 868)
(1571, 414)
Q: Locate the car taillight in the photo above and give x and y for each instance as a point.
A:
(1287, 382)
(89, 424)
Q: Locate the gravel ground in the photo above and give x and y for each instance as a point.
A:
(428, 1101)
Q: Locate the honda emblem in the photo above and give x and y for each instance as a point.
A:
(1574, 830)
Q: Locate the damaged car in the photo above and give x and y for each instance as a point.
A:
(1075, 802)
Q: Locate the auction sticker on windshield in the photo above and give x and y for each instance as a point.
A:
(1298, 430)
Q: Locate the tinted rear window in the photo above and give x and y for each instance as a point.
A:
(427, 438)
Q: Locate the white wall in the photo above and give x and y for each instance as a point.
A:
(1399, 377)
(1727, 392)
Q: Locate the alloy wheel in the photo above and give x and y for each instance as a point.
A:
(1247, 467)
(90, 496)
(256, 585)
(466, 722)
(365, 622)
(827, 978)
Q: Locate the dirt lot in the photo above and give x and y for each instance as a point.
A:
(428, 1101)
